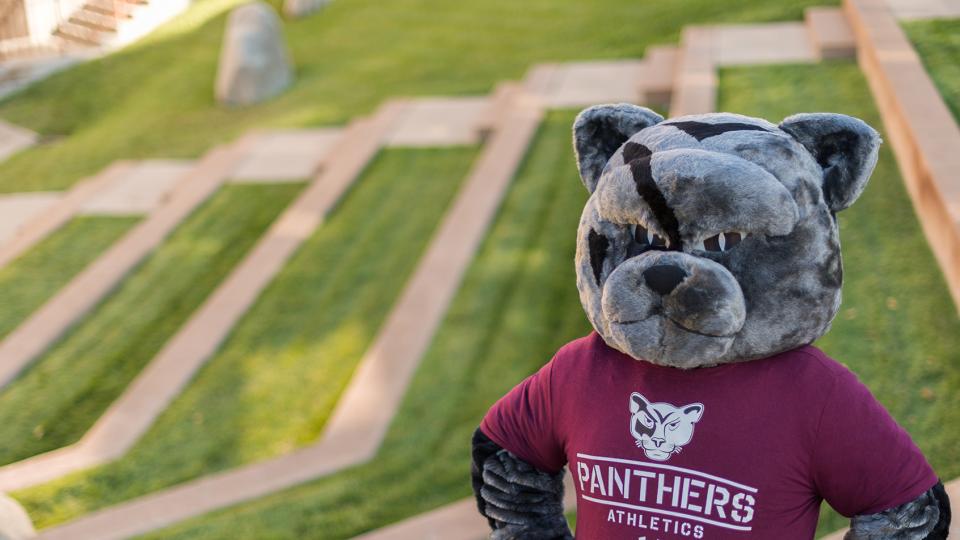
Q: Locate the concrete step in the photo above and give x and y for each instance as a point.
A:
(79, 33)
(830, 32)
(116, 8)
(659, 69)
(94, 19)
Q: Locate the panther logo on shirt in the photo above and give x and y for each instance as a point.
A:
(662, 429)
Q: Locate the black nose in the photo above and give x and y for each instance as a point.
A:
(664, 278)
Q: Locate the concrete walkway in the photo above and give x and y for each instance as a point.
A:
(924, 9)
(87, 288)
(456, 521)
(705, 49)
(440, 121)
(363, 414)
(17, 210)
(294, 153)
(285, 155)
(173, 367)
(581, 84)
(30, 231)
(920, 127)
(140, 189)
(14, 138)
(124, 188)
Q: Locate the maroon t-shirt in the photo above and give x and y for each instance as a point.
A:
(745, 450)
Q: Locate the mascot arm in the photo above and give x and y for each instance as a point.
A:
(927, 517)
(519, 501)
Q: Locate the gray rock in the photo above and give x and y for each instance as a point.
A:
(254, 62)
(14, 522)
(300, 8)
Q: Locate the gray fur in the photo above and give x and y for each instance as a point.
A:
(846, 147)
(599, 131)
(914, 520)
(778, 289)
(524, 502)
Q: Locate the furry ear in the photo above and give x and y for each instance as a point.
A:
(600, 130)
(636, 400)
(693, 412)
(845, 147)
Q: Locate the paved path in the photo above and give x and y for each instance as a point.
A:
(924, 9)
(456, 521)
(440, 121)
(140, 189)
(919, 126)
(704, 49)
(18, 209)
(123, 188)
(14, 138)
(91, 285)
(285, 155)
(129, 417)
(41, 224)
(363, 414)
(830, 32)
(581, 84)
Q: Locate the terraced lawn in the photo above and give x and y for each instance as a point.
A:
(56, 400)
(897, 328)
(938, 43)
(517, 305)
(275, 381)
(155, 99)
(35, 276)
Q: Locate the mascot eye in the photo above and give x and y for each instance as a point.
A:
(644, 237)
(721, 242)
(646, 420)
(673, 425)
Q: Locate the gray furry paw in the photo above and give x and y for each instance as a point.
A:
(925, 518)
(519, 501)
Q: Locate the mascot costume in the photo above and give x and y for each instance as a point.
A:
(708, 260)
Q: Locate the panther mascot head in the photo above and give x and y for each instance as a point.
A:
(713, 238)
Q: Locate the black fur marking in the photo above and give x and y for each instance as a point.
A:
(832, 154)
(703, 130)
(942, 527)
(483, 448)
(634, 151)
(599, 244)
(649, 192)
(664, 278)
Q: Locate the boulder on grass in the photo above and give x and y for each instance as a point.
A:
(299, 8)
(254, 63)
(14, 522)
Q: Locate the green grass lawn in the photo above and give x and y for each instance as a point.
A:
(275, 381)
(56, 400)
(897, 328)
(938, 43)
(40, 272)
(156, 99)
